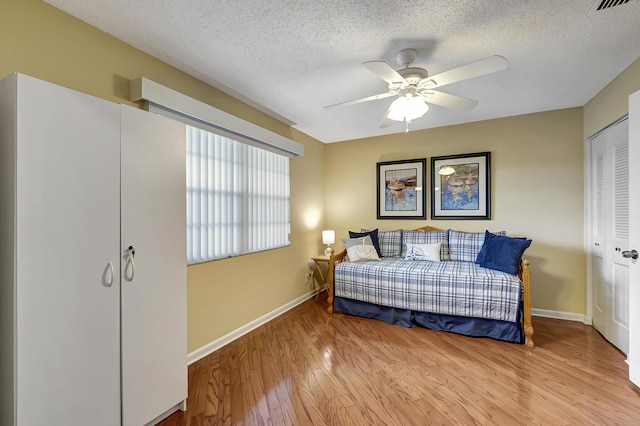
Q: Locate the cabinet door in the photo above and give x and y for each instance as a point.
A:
(67, 294)
(154, 317)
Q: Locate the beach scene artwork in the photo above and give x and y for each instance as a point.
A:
(459, 190)
(400, 192)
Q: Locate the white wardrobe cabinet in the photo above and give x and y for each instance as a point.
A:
(89, 334)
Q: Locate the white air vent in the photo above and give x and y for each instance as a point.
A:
(607, 4)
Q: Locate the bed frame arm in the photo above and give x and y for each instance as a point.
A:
(333, 260)
(525, 275)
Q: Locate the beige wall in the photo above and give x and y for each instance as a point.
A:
(612, 102)
(39, 40)
(537, 191)
(536, 171)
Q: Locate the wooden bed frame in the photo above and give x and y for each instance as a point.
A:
(523, 272)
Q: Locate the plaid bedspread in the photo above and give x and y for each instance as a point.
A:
(453, 288)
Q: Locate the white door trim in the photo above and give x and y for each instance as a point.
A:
(588, 237)
(633, 358)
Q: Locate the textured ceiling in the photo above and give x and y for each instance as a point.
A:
(290, 58)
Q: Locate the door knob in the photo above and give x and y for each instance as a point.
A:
(633, 254)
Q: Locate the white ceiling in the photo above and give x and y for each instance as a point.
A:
(290, 58)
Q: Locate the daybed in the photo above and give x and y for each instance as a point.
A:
(452, 293)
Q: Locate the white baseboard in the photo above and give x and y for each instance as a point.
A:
(228, 338)
(569, 316)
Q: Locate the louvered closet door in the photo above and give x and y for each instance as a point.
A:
(618, 331)
(610, 234)
(598, 232)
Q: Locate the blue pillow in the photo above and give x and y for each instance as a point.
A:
(374, 238)
(502, 253)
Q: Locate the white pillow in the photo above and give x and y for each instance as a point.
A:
(360, 249)
(423, 252)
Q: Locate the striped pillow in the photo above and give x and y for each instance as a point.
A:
(427, 237)
(390, 242)
(465, 246)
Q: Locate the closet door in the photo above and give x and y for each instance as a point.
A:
(598, 233)
(67, 286)
(610, 234)
(154, 317)
(618, 231)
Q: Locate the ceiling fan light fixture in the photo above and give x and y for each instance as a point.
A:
(407, 109)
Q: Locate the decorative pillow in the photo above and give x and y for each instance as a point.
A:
(465, 246)
(390, 242)
(360, 249)
(423, 252)
(374, 237)
(427, 237)
(485, 247)
(502, 253)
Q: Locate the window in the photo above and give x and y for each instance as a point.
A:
(237, 176)
(237, 197)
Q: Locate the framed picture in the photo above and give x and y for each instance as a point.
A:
(460, 186)
(401, 189)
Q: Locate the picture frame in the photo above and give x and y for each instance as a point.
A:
(461, 186)
(401, 189)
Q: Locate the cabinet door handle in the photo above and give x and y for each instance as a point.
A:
(129, 268)
(108, 275)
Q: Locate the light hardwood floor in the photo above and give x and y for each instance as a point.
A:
(308, 367)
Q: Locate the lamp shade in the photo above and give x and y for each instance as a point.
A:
(328, 237)
(407, 108)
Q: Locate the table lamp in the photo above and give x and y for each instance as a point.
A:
(328, 238)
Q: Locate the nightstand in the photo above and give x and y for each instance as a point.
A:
(319, 260)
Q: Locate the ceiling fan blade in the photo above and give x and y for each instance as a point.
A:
(385, 72)
(386, 121)
(360, 100)
(449, 101)
(464, 72)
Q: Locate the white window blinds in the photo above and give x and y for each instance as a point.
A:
(237, 197)
(237, 176)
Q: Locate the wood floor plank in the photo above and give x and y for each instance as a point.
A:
(236, 398)
(214, 386)
(308, 367)
(223, 416)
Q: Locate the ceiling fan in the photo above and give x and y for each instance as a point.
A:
(414, 87)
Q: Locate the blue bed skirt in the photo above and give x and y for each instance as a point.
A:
(475, 327)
